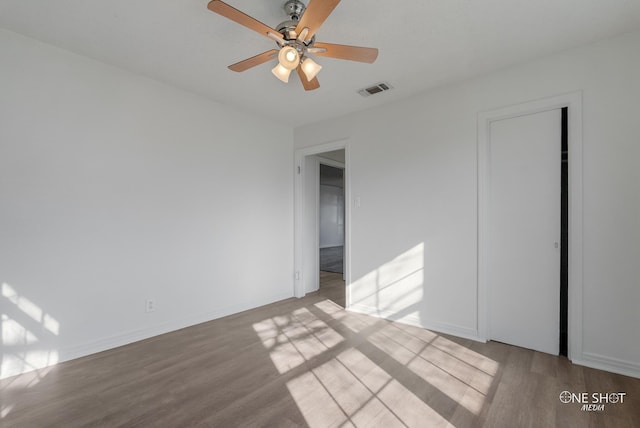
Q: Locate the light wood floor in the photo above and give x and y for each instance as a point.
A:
(308, 362)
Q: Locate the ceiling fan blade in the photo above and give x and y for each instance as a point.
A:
(254, 60)
(308, 85)
(241, 18)
(352, 53)
(315, 15)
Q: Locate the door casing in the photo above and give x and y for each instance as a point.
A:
(305, 260)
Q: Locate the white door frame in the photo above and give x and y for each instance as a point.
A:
(574, 103)
(300, 238)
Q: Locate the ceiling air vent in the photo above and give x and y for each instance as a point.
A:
(376, 89)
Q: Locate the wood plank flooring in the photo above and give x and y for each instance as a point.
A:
(308, 362)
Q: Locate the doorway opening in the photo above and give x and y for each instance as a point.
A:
(322, 222)
(331, 225)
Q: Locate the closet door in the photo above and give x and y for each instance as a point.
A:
(523, 257)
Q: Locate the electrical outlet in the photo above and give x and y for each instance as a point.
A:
(150, 305)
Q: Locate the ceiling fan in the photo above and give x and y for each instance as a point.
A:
(296, 39)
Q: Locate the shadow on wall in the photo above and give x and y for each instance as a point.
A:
(27, 334)
(394, 290)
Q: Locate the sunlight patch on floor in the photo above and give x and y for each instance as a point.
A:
(393, 375)
(463, 383)
(352, 321)
(331, 308)
(5, 409)
(351, 390)
(293, 339)
(470, 357)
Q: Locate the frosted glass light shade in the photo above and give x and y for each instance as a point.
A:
(310, 68)
(288, 57)
(281, 72)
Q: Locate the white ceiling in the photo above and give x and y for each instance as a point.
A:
(422, 43)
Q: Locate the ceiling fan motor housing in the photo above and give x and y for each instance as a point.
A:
(286, 28)
(295, 9)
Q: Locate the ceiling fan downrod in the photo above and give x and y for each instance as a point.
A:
(295, 9)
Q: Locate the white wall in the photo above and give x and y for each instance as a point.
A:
(414, 167)
(114, 189)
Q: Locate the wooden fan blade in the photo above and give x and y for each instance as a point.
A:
(308, 85)
(254, 60)
(315, 15)
(352, 53)
(241, 18)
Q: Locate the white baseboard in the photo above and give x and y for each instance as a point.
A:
(454, 330)
(99, 345)
(115, 341)
(609, 364)
(587, 359)
(439, 327)
(385, 314)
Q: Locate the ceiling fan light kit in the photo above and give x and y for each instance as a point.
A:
(288, 57)
(281, 72)
(296, 40)
(310, 68)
